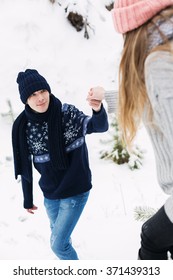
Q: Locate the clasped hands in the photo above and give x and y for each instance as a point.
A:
(95, 97)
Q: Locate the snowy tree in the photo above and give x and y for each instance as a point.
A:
(144, 213)
(118, 151)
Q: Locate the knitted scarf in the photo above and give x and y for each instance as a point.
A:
(157, 34)
(53, 116)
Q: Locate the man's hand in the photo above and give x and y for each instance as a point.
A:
(95, 98)
(31, 210)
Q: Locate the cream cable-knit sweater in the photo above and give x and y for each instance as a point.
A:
(159, 83)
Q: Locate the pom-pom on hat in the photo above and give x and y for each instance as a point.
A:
(130, 14)
(29, 82)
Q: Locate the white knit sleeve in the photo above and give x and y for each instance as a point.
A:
(111, 97)
(159, 83)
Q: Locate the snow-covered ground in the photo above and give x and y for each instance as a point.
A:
(36, 34)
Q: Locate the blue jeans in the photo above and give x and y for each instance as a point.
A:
(64, 215)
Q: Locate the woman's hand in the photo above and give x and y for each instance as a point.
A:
(95, 97)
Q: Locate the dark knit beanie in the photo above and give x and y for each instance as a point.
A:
(29, 82)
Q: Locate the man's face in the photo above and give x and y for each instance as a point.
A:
(39, 101)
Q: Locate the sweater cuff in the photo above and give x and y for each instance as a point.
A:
(97, 112)
(111, 97)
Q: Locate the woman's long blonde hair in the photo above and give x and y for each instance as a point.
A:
(132, 89)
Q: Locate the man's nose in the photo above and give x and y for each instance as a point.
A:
(40, 97)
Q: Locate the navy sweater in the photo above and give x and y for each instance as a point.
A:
(76, 178)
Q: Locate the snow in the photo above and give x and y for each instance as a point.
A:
(36, 34)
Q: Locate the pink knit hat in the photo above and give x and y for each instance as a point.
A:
(130, 14)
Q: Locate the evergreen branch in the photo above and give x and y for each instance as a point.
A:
(118, 151)
(143, 213)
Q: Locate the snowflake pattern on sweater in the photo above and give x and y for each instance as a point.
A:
(74, 124)
(37, 137)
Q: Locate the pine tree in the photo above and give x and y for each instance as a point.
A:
(143, 213)
(118, 151)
